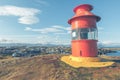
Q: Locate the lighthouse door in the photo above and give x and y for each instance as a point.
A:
(80, 53)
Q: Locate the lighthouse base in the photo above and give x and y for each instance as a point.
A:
(85, 61)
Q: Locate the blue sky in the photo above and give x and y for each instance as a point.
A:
(45, 21)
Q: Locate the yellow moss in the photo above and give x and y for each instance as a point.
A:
(85, 61)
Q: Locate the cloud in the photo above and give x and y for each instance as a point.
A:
(28, 20)
(68, 29)
(44, 30)
(52, 35)
(28, 28)
(100, 28)
(6, 40)
(41, 2)
(59, 27)
(107, 42)
(26, 15)
(18, 39)
(55, 39)
(41, 38)
(53, 29)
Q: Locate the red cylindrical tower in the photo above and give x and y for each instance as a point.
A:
(84, 32)
(84, 39)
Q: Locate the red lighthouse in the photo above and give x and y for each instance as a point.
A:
(84, 32)
(84, 39)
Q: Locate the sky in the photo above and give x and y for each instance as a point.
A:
(45, 21)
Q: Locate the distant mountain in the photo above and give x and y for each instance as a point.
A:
(30, 44)
(100, 44)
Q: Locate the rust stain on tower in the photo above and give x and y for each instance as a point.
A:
(84, 39)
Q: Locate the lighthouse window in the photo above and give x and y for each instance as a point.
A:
(84, 33)
(88, 33)
(75, 34)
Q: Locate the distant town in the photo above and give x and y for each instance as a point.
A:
(29, 50)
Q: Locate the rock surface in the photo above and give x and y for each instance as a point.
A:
(49, 67)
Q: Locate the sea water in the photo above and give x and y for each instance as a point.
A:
(117, 53)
